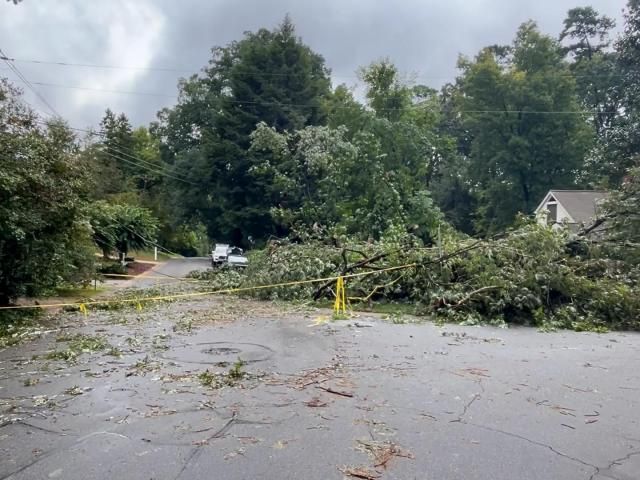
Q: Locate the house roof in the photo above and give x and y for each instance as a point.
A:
(581, 205)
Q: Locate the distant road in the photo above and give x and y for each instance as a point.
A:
(176, 268)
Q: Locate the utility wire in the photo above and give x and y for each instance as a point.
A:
(94, 65)
(163, 169)
(92, 89)
(132, 159)
(274, 74)
(311, 105)
(159, 172)
(19, 74)
(150, 242)
(146, 163)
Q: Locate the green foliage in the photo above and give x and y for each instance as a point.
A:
(326, 184)
(121, 227)
(519, 154)
(623, 209)
(17, 325)
(112, 170)
(268, 76)
(237, 370)
(388, 97)
(220, 278)
(76, 345)
(620, 149)
(112, 267)
(187, 240)
(219, 380)
(533, 275)
(290, 263)
(44, 240)
(592, 63)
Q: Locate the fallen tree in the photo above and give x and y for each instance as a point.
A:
(531, 274)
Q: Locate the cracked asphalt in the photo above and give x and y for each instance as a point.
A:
(363, 398)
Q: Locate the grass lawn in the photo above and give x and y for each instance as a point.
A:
(79, 292)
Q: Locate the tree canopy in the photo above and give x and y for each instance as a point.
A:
(268, 76)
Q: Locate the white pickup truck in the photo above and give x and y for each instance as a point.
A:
(223, 254)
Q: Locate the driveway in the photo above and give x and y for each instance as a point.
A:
(169, 399)
(168, 271)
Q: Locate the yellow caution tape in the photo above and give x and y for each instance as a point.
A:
(83, 306)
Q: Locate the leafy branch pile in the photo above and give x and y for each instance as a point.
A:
(531, 275)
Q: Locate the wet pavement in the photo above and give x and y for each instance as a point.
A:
(363, 398)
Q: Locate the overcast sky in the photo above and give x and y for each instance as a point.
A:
(423, 37)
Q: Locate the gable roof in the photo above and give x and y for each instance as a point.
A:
(581, 205)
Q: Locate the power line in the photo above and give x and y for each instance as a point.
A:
(150, 242)
(94, 65)
(160, 172)
(19, 74)
(92, 89)
(275, 74)
(311, 105)
(135, 161)
(141, 162)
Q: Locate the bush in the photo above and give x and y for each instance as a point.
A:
(113, 268)
(220, 278)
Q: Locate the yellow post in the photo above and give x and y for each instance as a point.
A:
(340, 304)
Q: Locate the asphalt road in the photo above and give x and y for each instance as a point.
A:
(169, 271)
(316, 400)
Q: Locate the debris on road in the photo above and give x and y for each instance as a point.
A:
(316, 402)
(335, 392)
(363, 473)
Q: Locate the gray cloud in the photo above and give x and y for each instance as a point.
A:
(423, 37)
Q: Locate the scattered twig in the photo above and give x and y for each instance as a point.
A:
(335, 392)
(576, 389)
(315, 402)
(360, 472)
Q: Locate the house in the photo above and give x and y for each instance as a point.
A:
(573, 208)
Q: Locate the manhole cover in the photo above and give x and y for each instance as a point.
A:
(222, 351)
(218, 353)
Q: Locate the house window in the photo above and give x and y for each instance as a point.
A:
(552, 215)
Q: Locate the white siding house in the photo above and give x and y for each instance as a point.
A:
(573, 208)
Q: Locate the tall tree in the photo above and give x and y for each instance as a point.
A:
(527, 137)
(43, 188)
(386, 94)
(622, 146)
(586, 43)
(268, 76)
(110, 154)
